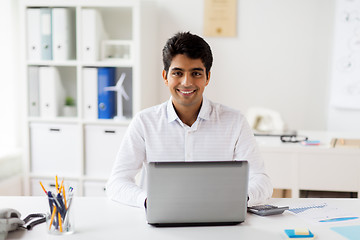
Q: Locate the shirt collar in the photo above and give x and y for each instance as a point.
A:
(204, 111)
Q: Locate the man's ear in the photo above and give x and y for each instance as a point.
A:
(208, 78)
(164, 75)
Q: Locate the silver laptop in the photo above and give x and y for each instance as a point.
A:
(197, 193)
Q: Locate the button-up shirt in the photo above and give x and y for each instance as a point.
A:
(157, 134)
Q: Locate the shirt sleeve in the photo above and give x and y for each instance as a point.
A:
(260, 187)
(121, 186)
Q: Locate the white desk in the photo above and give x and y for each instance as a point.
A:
(297, 167)
(100, 218)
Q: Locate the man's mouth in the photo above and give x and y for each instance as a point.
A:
(186, 92)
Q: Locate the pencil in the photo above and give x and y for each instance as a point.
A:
(56, 184)
(60, 223)
(52, 217)
(43, 187)
(63, 188)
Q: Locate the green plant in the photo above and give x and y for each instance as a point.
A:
(69, 101)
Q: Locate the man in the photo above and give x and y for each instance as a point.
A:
(188, 127)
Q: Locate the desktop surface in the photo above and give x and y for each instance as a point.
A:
(100, 218)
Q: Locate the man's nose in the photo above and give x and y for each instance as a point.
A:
(187, 80)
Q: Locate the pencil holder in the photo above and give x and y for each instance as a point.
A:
(60, 218)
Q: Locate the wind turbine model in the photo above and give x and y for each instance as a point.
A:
(120, 90)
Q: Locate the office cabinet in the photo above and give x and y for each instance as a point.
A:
(63, 40)
(55, 149)
(101, 146)
(94, 189)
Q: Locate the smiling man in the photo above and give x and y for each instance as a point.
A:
(188, 127)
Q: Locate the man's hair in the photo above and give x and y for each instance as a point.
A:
(190, 45)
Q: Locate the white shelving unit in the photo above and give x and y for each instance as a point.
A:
(78, 149)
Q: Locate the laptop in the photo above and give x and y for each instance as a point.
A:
(196, 193)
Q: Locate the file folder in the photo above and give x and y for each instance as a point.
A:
(90, 93)
(33, 76)
(51, 92)
(106, 99)
(33, 34)
(92, 33)
(46, 34)
(63, 29)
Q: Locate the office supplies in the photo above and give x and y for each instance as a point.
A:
(61, 220)
(266, 210)
(90, 93)
(46, 33)
(196, 193)
(311, 142)
(42, 186)
(93, 32)
(350, 232)
(299, 233)
(52, 217)
(52, 93)
(121, 93)
(106, 99)
(345, 143)
(339, 219)
(33, 91)
(33, 34)
(299, 209)
(63, 34)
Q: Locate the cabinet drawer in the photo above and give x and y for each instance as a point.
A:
(94, 189)
(55, 149)
(101, 146)
(329, 172)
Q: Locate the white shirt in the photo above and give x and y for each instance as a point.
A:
(157, 134)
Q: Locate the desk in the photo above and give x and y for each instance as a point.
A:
(100, 218)
(297, 167)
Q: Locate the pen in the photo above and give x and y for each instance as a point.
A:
(339, 219)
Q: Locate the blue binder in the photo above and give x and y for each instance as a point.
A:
(106, 99)
(46, 33)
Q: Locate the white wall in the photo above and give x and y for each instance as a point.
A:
(280, 59)
(9, 96)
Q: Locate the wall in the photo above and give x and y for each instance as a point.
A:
(9, 80)
(280, 58)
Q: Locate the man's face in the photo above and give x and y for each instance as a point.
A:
(186, 80)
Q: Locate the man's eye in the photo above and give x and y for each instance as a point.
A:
(177, 74)
(197, 74)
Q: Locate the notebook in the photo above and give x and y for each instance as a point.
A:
(196, 193)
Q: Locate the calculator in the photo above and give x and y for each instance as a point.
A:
(266, 210)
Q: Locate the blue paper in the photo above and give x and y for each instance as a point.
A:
(291, 234)
(350, 232)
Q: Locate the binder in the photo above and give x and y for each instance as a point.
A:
(63, 45)
(33, 34)
(93, 32)
(106, 99)
(51, 92)
(33, 91)
(90, 93)
(46, 33)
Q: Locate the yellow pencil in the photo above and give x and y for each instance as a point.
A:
(52, 217)
(56, 184)
(60, 223)
(63, 188)
(43, 187)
